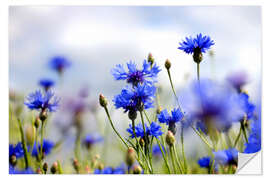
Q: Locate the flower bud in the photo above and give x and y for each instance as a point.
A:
(13, 160)
(151, 59)
(43, 115)
(54, 168)
(130, 156)
(158, 111)
(45, 167)
(141, 141)
(132, 115)
(38, 171)
(170, 139)
(102, 101)
(75, 164)
(100, 166)
(30, 133)
(137, 169)
(168, 64)
(37, 122)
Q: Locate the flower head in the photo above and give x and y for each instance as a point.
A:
(132, 99)
(226, 157)
(135, 76)
(59, 63)
(110, 170)
(154, 130)
(157, 151)
(238, 80)
(176, 116)
(13, 170)
(46, 148)
(46, 83)
(205, 162)
(247, 106)
(16, 150)
(201, 42)
(43, 102)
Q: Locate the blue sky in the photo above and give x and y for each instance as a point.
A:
(95, 39)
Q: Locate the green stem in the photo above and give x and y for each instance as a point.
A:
(179, 164)
(24, 145)
(78, 145)
(244, 131)
(172, 159)
(198, 71)
(109, 117)
(238, 137)
(203, 139)
(183, 151)
(163, 155)
(41, 140)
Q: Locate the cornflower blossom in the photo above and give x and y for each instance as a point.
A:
(210, 105)
(153, 130)
(15, 152)
(247, 106)
(176, 116)
(136, 76)
(46, 83)
(59, 64)
(196, 46)
(156, 150)
(13, 170)
(46, 148)
(134, 99)
(226, 157)
(42, 102)
(254, 139)
(110, 170)
(91, 139)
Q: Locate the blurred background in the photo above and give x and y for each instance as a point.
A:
(95, 39)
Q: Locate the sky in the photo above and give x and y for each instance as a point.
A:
(95, 39)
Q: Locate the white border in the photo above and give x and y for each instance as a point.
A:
(4, 72)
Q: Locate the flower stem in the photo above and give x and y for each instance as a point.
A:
(244, 131)
(203, 139)
(183, 151)
(24, 145)
(172, 158)
(109, 117)
(198, 71)
(41, 139)
(164, 157)
(179, 164)
(238, 137)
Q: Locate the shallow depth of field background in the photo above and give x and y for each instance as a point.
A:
(95, 39)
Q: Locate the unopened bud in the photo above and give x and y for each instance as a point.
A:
(158, 110)
(54, 168)
(45, 167)
(43, 115)
(38, 171)
(37, 122)
(151, 59)
(13, 160)
(141, 141)
(100, 166)
(137, 169)
(130, 156)
(168, 64)
(102, 101)
(170, 139)
(76, 165)
(30, 133)
(132, 115)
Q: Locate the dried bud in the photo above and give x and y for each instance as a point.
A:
(54, 168)
(130, 156)
(132, 115)
(168, 64)
(170, 139)
(151, 59)
(141, 141)
(102, 101)
(76, 165)
(45, 167)
(137, 169)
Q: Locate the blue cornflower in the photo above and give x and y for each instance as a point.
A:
(38, 101)
(153, 130)
(134, 75)
(110, 170)
(91, 139)
(176, 116)
(247, 106)
(16, 150)
(13, 170)
(205, 162)
(226, 157)
(202, 43)
(46, 83)
(132, 99)
(46, 148)
(254, 140)
(59, 63)
(211, 105)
